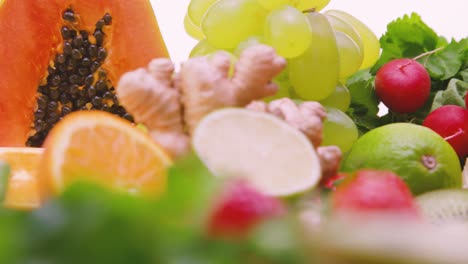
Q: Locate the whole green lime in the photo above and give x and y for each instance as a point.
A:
(417, 154)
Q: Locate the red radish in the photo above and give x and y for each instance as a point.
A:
(451, 122)
(374, 191)
(242, 207)
(403, 85)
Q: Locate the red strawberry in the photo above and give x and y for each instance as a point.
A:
(374, 191)
(242, 207)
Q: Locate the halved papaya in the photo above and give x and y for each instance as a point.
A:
(58, 56)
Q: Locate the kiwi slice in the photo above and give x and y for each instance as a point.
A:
(387, 241)
(446, 206)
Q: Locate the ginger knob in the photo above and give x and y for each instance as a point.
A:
(206, 86)
(149, 95)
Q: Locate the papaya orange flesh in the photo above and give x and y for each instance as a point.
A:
(30, 50)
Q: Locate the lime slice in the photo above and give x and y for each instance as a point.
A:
(274, 157)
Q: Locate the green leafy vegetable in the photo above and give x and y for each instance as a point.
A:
(453, 95)
(364, 102)
(446, 63)
(406, 37)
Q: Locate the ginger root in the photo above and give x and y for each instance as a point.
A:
(150, 96)
(205, 84)
(308, 118)
(171, 104)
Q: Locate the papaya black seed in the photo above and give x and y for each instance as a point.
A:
(51, 70)
(78, 41)
(92, 50)
(62, 67)
(67, 48)
(54, 94)
(64, 98)
(105, 108)
(102, 54)
(100, 24)
(74, 90)
(99, 36)
(61, 58)
(94, 66)
(73, 79)
(42, 101)
(66, 110)
(107, 95)
(96, 101)
(83, 71)
(39, 114)
(52, 119)
(52, 106)
(66, 33)
(69, 15)
(107, 19)
(89, 80)
(101, 86)
(76, 54)
(128, 117)
(91, 91)
(85, 62)
(55, 81)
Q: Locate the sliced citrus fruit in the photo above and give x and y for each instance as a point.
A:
(275, 157)
(22, 189)
(100, 147)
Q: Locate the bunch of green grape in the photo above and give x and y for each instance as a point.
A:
(322, 48)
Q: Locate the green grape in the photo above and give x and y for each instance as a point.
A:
(201, 49)
(350, 54)
(339, 130)
(317, 5)
(288, 31)
(197, 10)
(193, 31)
(251, 41)
(314, 74)
(339, 24)
(228, 22)
(273, 4)
(371, 44)
(339, 99)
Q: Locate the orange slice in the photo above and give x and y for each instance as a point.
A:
(22, 190)
(100, 147)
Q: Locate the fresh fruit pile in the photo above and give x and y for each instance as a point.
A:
(253, 150)
(322, 48)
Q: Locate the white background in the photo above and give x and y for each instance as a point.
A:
(446, 17)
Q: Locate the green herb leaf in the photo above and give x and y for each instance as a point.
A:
(453, 95)
(406, 37)
(364, 102)
(447, 62)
